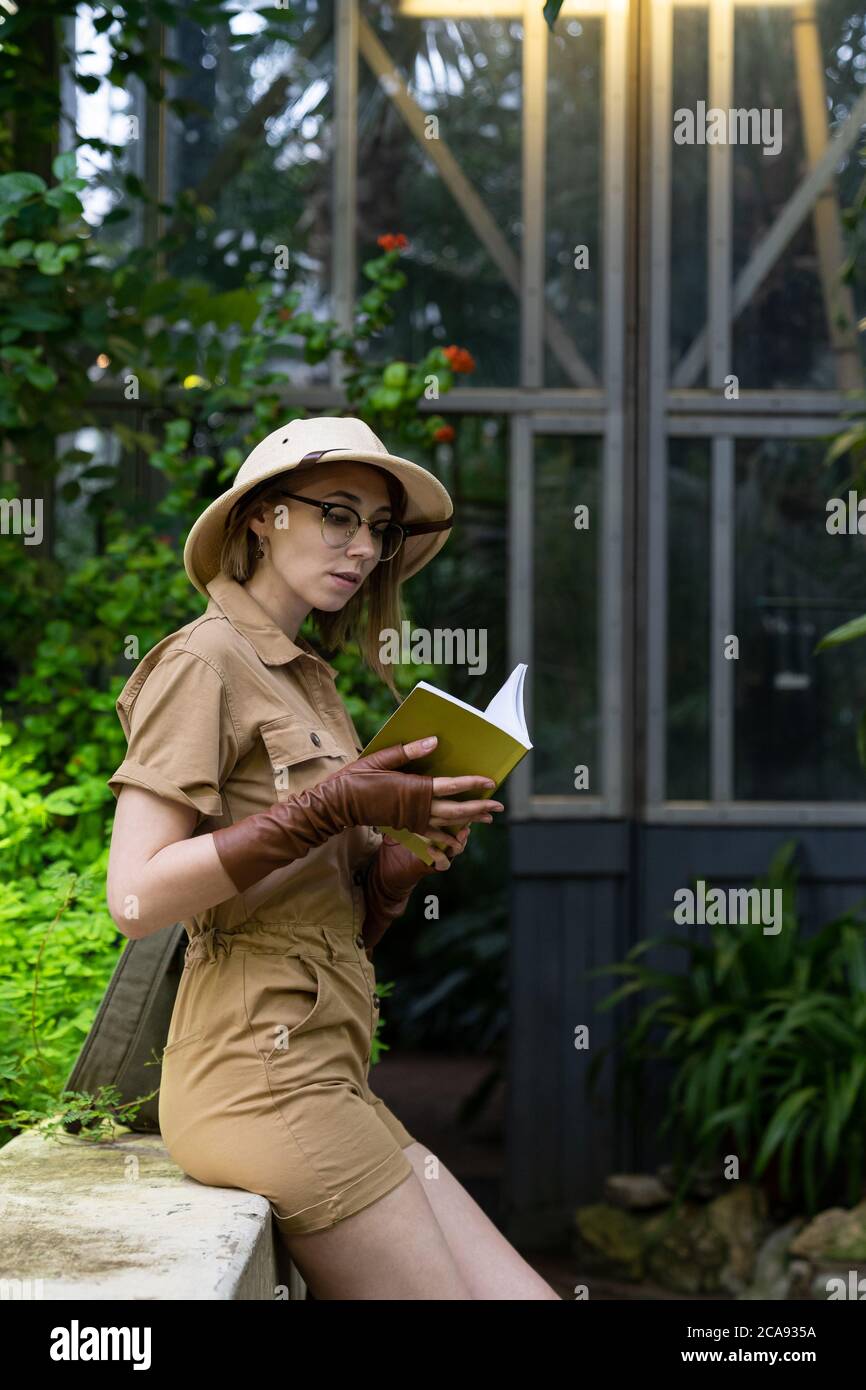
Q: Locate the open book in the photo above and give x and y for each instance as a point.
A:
(489, 743)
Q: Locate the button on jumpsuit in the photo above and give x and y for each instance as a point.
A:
(265, 1075)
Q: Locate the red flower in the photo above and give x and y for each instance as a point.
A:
(284, 314)
(460, 359)
(444, 434)
(392, 241)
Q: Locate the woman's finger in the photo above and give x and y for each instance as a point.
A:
(441, 837)
(451, 786)
(436, 829)
(444, 812)
(451, 851)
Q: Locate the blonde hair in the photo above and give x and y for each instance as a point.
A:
(377, 605)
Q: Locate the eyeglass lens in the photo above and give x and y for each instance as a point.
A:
(340, 524)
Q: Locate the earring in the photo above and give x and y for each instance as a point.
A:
(260, 553)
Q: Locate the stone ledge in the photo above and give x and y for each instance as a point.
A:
(120, 1220)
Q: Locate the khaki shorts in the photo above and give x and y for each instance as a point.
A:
(265, 1073)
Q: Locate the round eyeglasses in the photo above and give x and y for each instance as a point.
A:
(340, 523)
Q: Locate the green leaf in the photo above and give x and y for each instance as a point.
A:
(851, 439)
(395, 374)
(16, 188)
(730, 1114)
(708, 1019)
(788, 1151)
(64, 165)
(841, 1106)
(37, 319)
(43, 378)
(233, 307)
(848, 632)
(810, 1144)
(780, 1123)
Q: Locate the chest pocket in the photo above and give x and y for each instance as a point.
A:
(301, 754)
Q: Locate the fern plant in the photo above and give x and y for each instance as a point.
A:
(767, 1038)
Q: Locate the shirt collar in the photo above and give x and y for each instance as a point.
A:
(249, 618)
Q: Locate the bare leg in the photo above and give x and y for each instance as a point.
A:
(392, 1249)
(491, 1267)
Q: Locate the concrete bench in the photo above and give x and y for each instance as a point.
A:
(120, 1220)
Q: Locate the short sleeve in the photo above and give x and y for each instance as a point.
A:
(182, 742)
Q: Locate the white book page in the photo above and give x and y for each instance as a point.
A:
(506, 707)
(505, 710)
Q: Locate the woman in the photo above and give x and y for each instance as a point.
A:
(265, 1076)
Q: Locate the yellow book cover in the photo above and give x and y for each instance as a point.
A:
(488, 743)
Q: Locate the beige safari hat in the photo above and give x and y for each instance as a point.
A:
(429, 511)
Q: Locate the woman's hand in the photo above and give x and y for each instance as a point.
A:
(395, 870)
(401, 869)
(446, 816)
(393, 873)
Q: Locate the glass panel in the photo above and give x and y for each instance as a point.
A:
(781, 338)
(812, 72)
(75, 518)
(111, 113)
(796, 712)
(463, 587)
(465, 76)
(688, 620)
(258, 151)
(564, 662)
(688, 269)
(574, 193)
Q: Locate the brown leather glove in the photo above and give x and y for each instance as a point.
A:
(392, 874)
(368, 791)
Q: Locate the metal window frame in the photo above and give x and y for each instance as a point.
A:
(704, 413)
(598, 414)
(638, 40)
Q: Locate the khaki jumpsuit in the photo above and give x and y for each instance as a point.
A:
(265, 1073)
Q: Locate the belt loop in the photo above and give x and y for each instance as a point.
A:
(196, 949)
(215, 943)
(332, 950)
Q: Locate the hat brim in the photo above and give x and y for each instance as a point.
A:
(427, 500)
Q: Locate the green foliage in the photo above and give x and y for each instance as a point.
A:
(29, 86)
(378, 1044)
(855, 628)
(59, 944)
(851, 441)
(103, 1116)
(766, 1036)
(469, 999)
(196, 386)
(847, 632)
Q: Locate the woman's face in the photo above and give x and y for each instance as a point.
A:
(296, 548)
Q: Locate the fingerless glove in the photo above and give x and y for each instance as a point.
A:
(368, 791)
(392, 874)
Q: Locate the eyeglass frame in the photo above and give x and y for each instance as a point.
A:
(326, 507)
